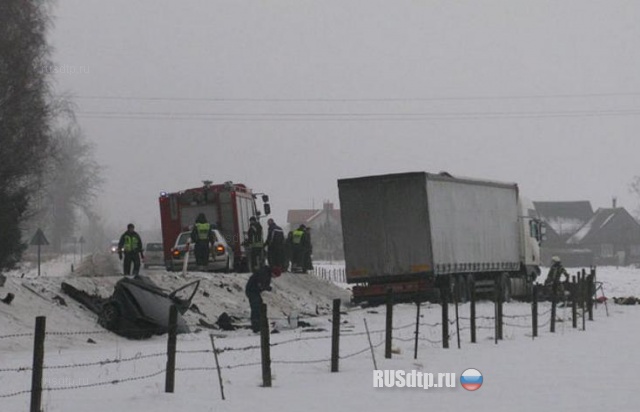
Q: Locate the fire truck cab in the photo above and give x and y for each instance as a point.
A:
(227, 206)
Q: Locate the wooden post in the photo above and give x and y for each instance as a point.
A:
(373, 354)
(265, 347)
(38, 364)
(534, 312)
(472, 309)
(574, 303)
(335, 336)
(215, 355)
(582, 299)
(497, 308)
(456, 298)
(445, 318)
(389, 325)
(417, 332)
(171, 350)
(590, 292)
(554, 298)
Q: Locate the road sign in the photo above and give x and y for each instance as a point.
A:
(39, 239)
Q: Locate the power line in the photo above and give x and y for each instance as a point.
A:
(353, 116)
(356, 100)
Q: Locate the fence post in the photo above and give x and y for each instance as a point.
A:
(591, 290)
(574, 303)
(265, 347)
(456, 298)
(335, 336)
(171, 350)
(417, 332)
(445, 318)
(389, 325)
(215, 355)
(498, 308)
(554, 293)
(534, 312)
(582, 299)
(472, 308)
(38, 361)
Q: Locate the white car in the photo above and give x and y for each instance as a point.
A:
(153, 255)
(220, 258)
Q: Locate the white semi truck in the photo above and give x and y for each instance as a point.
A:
(415, 232)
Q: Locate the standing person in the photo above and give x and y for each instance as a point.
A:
(307, 248)
(556, 271)
(297, 248)
(552, 282)
(288, 251)
(131, 245)
(202, 236)
(275, 244)
(258, 282)
(256, 244)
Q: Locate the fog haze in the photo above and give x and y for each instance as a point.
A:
(289, 96)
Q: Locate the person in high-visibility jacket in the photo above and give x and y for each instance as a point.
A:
(298, 247)
(202, 237)
(130, 245)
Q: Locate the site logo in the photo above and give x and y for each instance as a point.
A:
(471, 379)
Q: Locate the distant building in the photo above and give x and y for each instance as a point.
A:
(562, 220)
(326, 230)
(613, 235)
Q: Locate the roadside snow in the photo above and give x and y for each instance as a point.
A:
(571, 370)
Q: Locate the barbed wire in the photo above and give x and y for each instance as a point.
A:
(105, 383)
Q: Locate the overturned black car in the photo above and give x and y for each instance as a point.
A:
(138, 308)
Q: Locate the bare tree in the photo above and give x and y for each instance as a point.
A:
(72, 182)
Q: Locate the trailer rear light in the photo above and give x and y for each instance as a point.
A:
(220, 250)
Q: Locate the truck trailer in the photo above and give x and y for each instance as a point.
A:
(418, 234)
(228, 206)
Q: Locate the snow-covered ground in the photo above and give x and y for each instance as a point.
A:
(571, 370)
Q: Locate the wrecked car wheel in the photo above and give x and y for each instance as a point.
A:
(109, 315)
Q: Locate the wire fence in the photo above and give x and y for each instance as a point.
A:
(431, 334)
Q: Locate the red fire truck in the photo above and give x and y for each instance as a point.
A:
(229, 206)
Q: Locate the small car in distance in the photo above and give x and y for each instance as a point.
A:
(114, 246)
(153, 255)
(220, 257)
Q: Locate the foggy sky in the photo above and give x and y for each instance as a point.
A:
(289, 96)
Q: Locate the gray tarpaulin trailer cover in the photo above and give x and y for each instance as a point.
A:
(401, 225)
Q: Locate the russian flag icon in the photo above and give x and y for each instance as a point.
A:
(471, 379)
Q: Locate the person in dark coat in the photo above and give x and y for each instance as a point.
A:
(130, 245)
(307, 249)
(255, 242)
(275, 244)
(258, 282)
(202, 237)
(288, 251)
(556, 271)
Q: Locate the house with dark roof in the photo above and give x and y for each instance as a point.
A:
(326, 230)
(562, 220)
(613, 235)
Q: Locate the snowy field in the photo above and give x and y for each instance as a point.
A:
(570, 370)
